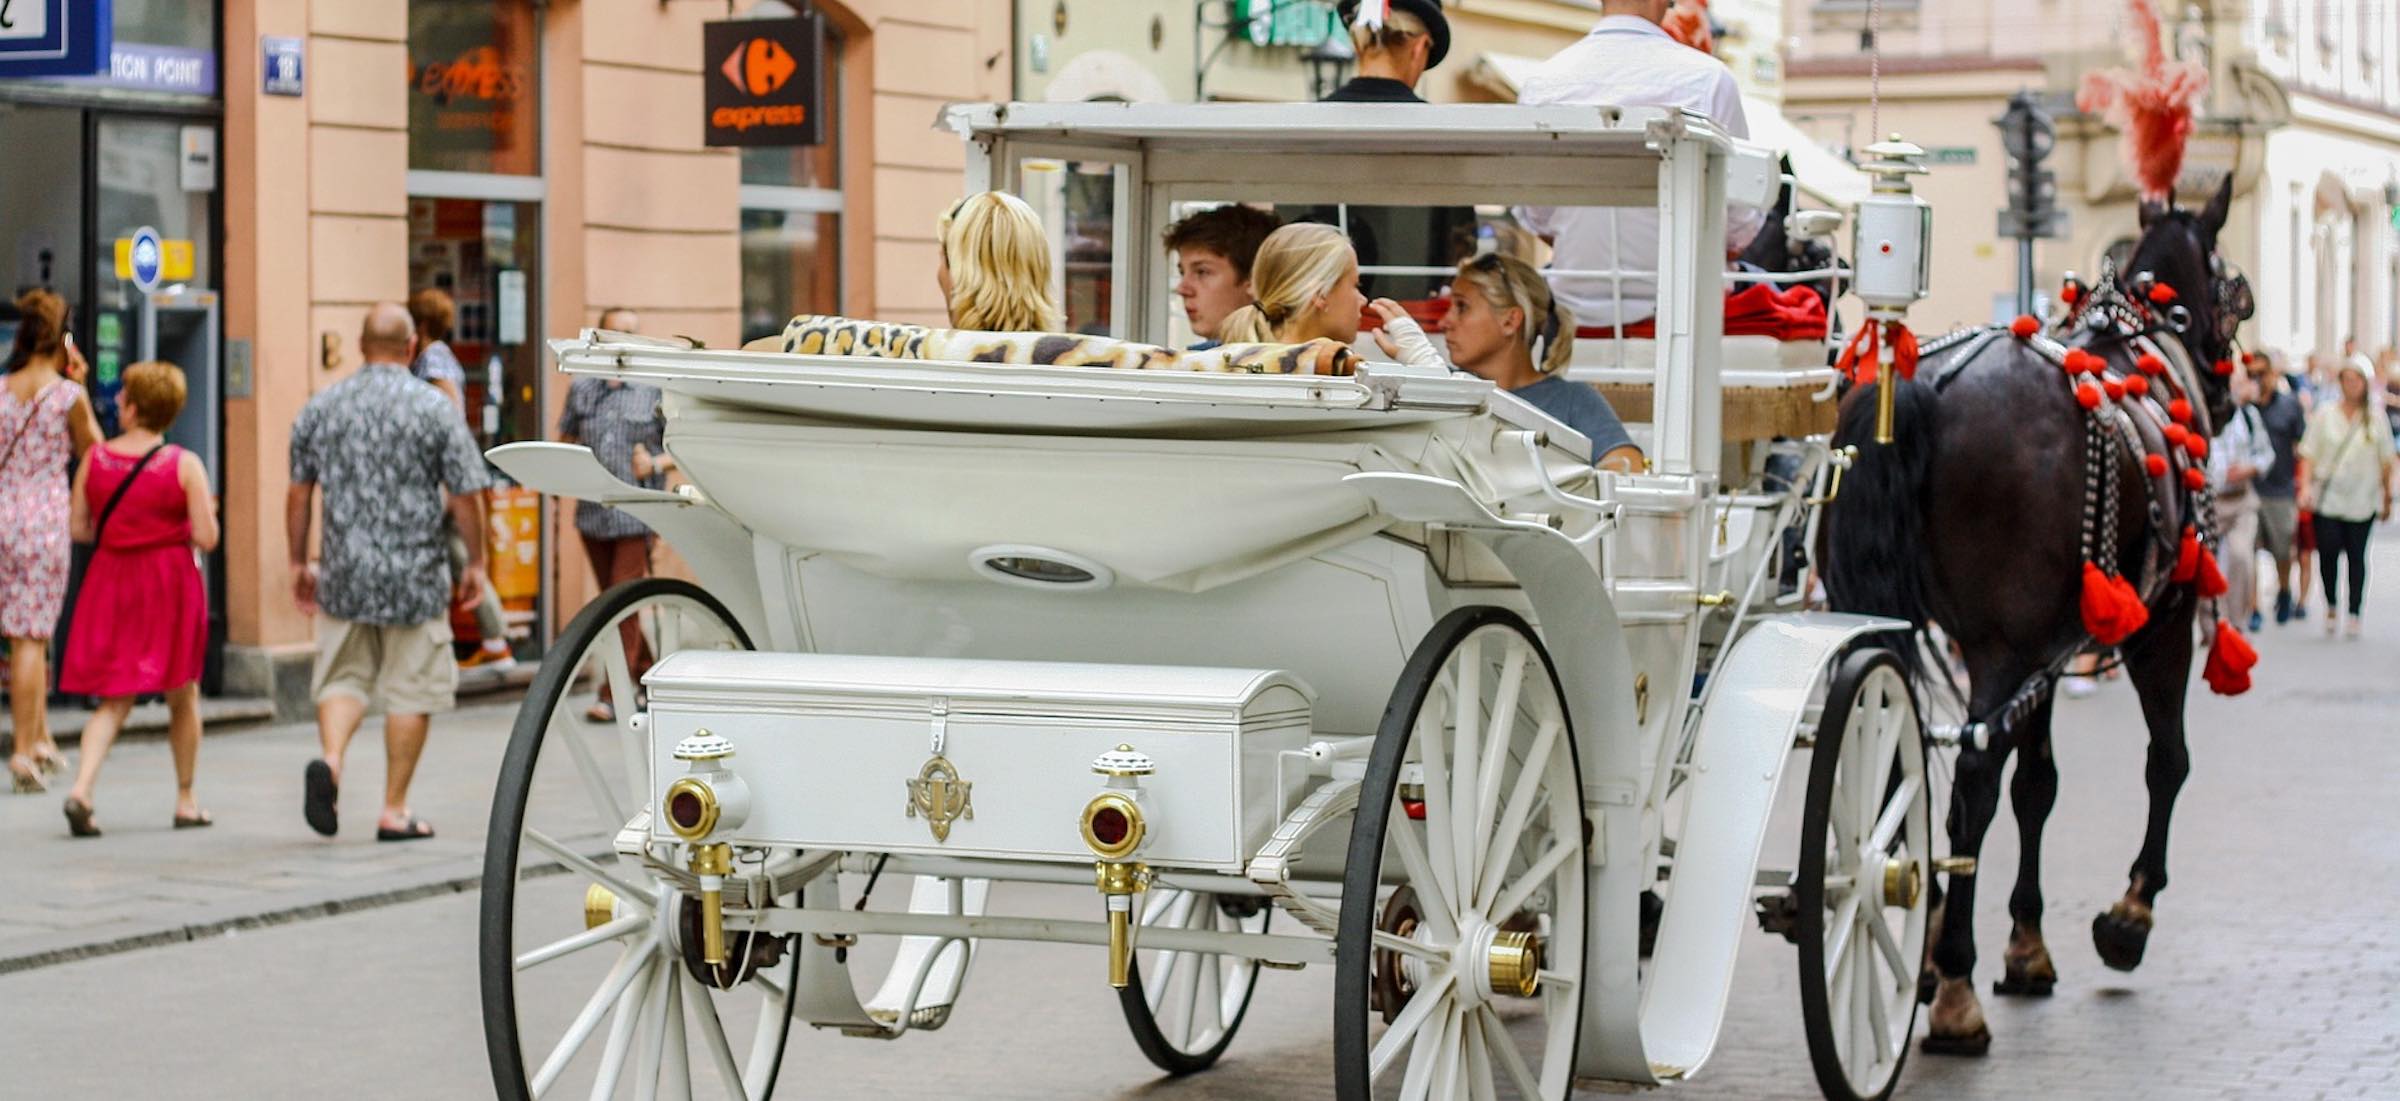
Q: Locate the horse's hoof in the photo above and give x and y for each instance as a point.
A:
(2023, 986)
(2120, 936)
(1977, 1042)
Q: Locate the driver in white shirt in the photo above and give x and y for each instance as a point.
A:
(1628, 61)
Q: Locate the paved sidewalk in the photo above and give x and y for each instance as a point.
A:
(144, 883)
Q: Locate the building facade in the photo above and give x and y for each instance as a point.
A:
(2303, 110)
(539, 159)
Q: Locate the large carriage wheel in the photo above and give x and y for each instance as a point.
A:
(584, 992)
(1462, 920)
(1185, 1013)
(1865, 853)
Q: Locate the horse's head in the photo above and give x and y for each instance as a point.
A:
(2178, 250)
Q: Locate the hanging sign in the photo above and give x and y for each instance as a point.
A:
(54, 37)
(762, 82)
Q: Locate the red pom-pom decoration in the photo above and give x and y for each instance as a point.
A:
(2176, 434)
(2137, 385)
(2112, 611)
(2209, 579)
(2150, 364)
(2088, 396)
(2072, 362)
(2223, 367)
(2180, 411)
(2230, 659)
(2195, 479)
(2156, 465)
(2161, 293)
(2197, 445)
(2187, 550)
(2116, 390)
(2071, 293)
(2025, 326)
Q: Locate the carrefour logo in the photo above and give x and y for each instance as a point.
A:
(759, 67)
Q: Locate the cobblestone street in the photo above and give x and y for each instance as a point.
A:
(2274, 973)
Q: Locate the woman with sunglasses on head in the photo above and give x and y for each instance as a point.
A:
(1500, 311)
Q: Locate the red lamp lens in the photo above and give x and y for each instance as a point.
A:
(1110, 826)
(684, 809)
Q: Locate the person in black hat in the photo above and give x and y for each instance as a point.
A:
(1413, 37)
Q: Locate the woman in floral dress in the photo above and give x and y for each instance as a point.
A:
(46, 424)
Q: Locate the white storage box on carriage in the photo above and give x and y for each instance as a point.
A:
(828, 744)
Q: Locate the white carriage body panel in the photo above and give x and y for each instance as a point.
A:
(834, 739)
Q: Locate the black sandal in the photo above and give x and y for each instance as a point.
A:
(318, 792)
(79, 818)
(199, 821)
(415, 829)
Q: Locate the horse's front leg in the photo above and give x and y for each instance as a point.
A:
(2159, 663)
(2026, 969)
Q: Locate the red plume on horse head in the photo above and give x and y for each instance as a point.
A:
(2153, 106)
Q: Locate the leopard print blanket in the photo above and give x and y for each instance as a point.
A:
(815, 334)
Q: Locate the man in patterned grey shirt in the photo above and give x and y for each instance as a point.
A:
(391, 455)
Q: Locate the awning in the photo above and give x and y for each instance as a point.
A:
(1824, 178)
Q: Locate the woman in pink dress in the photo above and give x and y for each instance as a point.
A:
(45, 424)
(141, 619)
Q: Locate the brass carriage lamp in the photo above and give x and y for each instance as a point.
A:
(704, 807)
(1114, 828)
(1891, 250)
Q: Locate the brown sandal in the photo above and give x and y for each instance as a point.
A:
(25, 778)
(199, 821)
(79, 818)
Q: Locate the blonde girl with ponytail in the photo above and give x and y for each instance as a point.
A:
(995, 266)
(1501, 312)
(1304, 286)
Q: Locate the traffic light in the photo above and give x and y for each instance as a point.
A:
(2028, 136)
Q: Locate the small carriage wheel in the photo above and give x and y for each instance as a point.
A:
(1472, 802)
(1865, 869)
(570, 952)
(1185, 1020)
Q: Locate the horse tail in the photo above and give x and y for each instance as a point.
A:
(1875, 544)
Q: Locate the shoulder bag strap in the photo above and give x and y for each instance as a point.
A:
(100, 525)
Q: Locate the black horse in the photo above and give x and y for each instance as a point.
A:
(1973, 519)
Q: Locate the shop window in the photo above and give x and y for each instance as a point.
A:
(474, 83)
(792, 213)
(191, 24)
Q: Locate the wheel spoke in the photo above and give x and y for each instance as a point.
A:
(712, 1037)
(1408, 1022)
(1512, 1061)
(1439, 841)
(1881, 934)
(615, 665)
(1497, 739)
(1203, 1030)
(1879, 1023)
(1895, 814)
(605, 804)
(1394, 942)
(766, 1043)
(1466, 726)
(633, 964)
(629, 924)
(1534, 876)
(675, 1069)
(1425, 1055)
(1862, 995)
(1519, 812)
(627, 893)
(1477, 1065)
(1844, 919)
(1432, 898)
(654, 1025)
(620, 1037)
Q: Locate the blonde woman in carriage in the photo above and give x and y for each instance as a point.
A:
(995, 266)
(1304, 286)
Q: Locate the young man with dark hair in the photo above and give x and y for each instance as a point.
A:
(1213, 250)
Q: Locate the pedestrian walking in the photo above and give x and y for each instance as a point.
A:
(994, 266)
(2345, 468)
(391, 456)
(2278, 503)
(46, 424)
(621, 422)
(433, 312)
(2239, 455)
(140, 624)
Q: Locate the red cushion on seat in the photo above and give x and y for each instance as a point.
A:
(1759, 309)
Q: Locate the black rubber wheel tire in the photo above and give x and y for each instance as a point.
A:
(1808, 889)
(1353, 959)
(1154, 1044)
(495, 942)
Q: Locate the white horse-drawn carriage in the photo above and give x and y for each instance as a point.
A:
(1367, 672)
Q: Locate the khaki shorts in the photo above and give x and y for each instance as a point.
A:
(2278, 526)
(406, 670)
